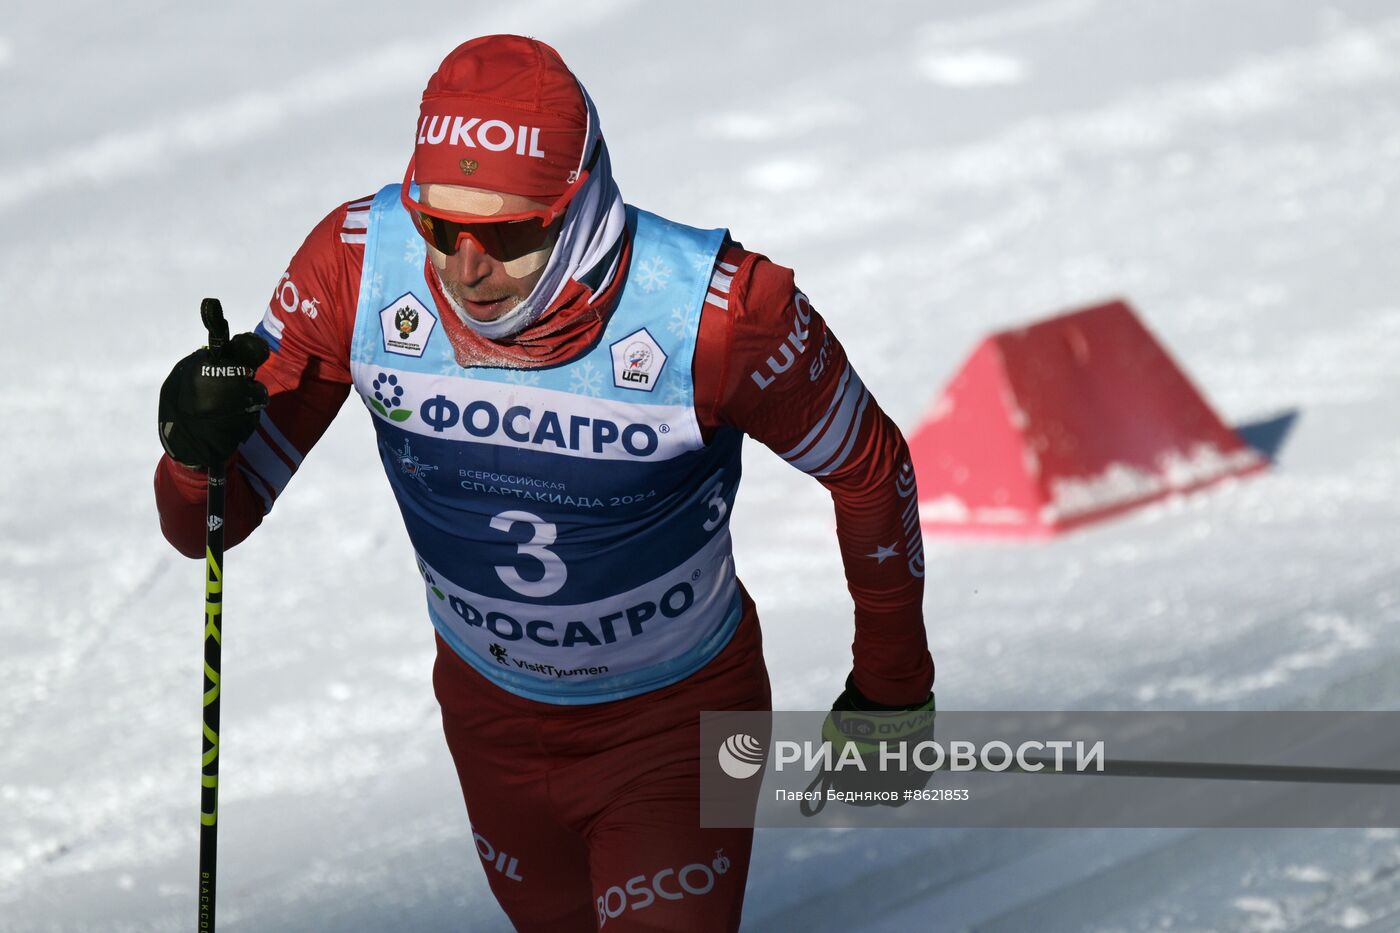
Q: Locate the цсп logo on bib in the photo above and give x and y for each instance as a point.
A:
(741, 756)
(637, 361)
(407, 325)
(637, 357)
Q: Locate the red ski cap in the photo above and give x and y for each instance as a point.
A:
(502, 113)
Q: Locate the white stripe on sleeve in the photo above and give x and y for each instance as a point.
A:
(840, 460)
(265, 463)
(258, 487)
(280, 439)
(822, 448)
(273, 323)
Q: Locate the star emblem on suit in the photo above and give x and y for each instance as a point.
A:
(883, 551)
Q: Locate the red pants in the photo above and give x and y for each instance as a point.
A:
(587, 817)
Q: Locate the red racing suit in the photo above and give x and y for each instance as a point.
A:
(628, 851)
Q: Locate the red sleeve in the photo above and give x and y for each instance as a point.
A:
(767, 364)
(308, 325)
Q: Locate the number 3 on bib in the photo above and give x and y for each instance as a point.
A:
(555, 573)
(715, 505)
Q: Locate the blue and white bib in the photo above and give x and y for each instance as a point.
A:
(570, 524)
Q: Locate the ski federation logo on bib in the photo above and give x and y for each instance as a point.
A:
(406, 325)
(637, 361)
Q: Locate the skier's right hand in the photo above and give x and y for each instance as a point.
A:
(210, 403)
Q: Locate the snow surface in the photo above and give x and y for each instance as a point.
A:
(933, 172)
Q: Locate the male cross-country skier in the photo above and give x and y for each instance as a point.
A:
(559, 383)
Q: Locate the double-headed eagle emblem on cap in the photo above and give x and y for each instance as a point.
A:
(468, 166)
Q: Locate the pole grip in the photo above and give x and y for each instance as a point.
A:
(212, 313)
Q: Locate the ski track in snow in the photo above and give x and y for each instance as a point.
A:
(1229, 167)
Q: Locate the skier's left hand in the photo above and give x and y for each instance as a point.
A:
(855, 720)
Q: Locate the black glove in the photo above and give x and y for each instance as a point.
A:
(859, 721)
(210, 403)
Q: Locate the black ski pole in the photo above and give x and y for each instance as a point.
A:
(1219, 771)
(213, 314)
